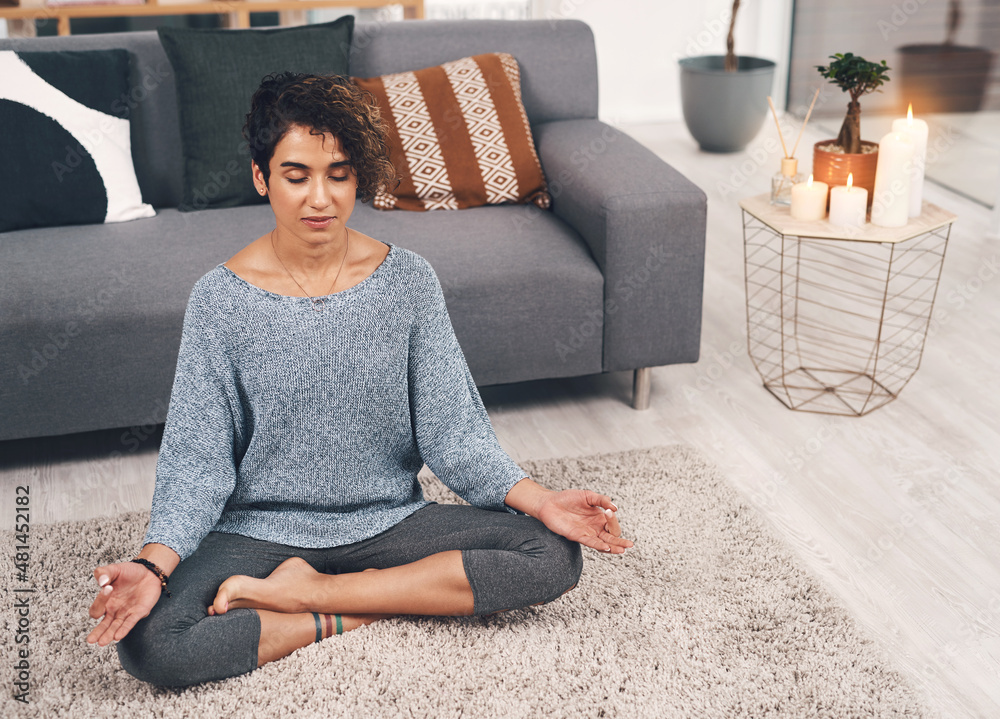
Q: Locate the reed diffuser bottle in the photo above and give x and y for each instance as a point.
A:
(781, 183)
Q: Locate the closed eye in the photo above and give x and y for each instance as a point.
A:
(299, 180)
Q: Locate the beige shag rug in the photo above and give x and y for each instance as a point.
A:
(708, 616)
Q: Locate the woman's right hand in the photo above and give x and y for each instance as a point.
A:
(129, 591)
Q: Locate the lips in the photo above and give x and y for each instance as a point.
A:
(318, 223)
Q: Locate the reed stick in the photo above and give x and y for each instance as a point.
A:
(774, 113)
(804, 122)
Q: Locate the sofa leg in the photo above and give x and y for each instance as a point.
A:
(640, 387)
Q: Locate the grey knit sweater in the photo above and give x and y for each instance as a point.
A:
(308, 428)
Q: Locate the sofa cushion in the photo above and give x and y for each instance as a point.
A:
(99, 339)
(216, 73)
(525, 295)
(151, 100)
(460, 137)
(65, 140)
(94, 314)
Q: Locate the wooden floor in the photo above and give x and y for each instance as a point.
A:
(898, 512)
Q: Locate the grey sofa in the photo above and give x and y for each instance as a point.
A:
(610, 279)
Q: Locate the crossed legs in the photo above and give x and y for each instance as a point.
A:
(434, 585)
(240, 602)
(288, 597)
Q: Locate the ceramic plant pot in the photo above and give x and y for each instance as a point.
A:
(723, 110)
(834, 167)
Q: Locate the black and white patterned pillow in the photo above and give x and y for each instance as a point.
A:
(64, 140)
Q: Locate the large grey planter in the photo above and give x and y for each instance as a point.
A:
(725, 110)
(943, 78)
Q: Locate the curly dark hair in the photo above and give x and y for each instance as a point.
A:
(322, 103)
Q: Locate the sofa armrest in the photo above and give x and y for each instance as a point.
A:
(644, 223)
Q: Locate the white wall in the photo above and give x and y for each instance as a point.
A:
(640, 41)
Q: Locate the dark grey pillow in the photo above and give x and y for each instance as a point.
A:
(217, 72)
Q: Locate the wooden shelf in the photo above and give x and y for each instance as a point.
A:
(241, 9)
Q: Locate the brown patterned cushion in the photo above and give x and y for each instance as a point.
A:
(460, 136)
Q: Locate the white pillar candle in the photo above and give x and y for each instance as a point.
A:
(917, 130)
(809, 200)
(848, 204)
(891, 200)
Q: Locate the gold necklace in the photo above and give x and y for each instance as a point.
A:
(317, 302)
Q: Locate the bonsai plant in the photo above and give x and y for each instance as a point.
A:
(834, 160)
(945, 77)
(724, 96)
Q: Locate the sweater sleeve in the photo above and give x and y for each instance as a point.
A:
(452, 429)
(196, 467)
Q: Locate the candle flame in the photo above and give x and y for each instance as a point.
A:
(909, 115)
(850, 180)
(810, 181)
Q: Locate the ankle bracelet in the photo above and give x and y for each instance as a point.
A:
(328, 622)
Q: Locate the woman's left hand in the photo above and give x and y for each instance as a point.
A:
(585, 517)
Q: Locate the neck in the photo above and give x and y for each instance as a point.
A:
(326, 260)
(310, 259)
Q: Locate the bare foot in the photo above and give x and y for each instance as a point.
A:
(281, 591)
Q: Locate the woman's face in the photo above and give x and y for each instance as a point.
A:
(312, 187)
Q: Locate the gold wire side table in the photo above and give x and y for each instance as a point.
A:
(837, 317)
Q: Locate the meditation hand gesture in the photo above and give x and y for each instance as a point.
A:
(584, 517)
(577, 514)
(128, 592)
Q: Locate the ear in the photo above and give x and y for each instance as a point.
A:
(258, 178)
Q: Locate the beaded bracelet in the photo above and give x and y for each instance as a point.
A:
(157, 571)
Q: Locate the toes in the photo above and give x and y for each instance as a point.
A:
(219, 606)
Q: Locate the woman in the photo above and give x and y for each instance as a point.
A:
(318, 371)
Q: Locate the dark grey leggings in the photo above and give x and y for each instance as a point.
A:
(510, 560)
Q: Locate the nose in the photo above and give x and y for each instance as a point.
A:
(319, 195)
